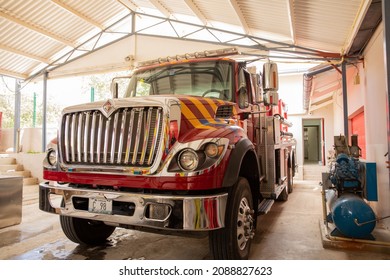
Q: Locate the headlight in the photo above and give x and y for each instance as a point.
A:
(211, 150)
(52, 157)
(188, 160)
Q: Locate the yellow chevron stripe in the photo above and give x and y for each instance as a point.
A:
(201, 108)
(189, 115)
(212, 104)
(193, 119)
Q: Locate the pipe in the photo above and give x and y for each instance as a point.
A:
(288, 134)
(18, 103)
(44, 117)
(368, 222)
(345, 99)
(386, 35)
(324, 210)
(308, 83)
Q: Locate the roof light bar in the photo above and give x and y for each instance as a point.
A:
(203, 54)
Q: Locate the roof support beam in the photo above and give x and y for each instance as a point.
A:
(241, 16)
(78, 14)
(305, 53)
(129, 4)
(355, 26)
(24, 54)
(12, 74)
(290, 11)
(314, 107)
(196, 11)
(161, 8)
(36, 29)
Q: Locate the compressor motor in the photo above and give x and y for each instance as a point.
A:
(351, 183)
(345, 174)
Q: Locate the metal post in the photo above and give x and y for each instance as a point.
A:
(17, 116)
(345, 99)
(35, 110)
(44, 112)
(386, 41)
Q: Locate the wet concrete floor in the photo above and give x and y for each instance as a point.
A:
(290, 231)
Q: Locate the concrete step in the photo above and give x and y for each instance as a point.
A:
(7, 161)
(30, 181)
(313, 172)
(312, 178)
(22, 173)
(11, 167)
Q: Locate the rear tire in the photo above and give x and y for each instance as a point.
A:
(85, 232)
(283, 196)
(290, 180)
(233, 242)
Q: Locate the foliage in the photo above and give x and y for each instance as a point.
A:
(7, 106)
(101, 84)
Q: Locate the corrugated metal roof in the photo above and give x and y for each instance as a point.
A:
(34, 33)
(325, 24)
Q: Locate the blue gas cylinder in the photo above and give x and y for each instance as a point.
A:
(348, 211)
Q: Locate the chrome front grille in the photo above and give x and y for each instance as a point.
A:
(130, 137)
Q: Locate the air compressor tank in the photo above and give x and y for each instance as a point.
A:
(351, 215)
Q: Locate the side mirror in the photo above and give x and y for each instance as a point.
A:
(259, 97)
(270, 83)
(243, 97)
(114, 89)
(271, 98)
(270, 76)
(119, 84)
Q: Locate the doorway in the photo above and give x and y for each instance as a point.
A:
(357, 127)
(313, 141)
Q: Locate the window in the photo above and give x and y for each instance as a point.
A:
(208, 79)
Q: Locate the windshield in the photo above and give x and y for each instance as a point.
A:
(209, 79)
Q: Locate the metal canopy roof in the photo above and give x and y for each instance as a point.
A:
(67, 37)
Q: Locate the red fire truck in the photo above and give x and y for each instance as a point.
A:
(199, 143)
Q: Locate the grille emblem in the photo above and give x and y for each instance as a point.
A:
(108, 108)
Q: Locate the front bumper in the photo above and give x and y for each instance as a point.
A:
(188, 213)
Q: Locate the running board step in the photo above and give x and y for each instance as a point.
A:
(265, 206)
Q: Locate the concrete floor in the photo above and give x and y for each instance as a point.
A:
(290, 231)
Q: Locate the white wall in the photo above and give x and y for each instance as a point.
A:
(32, 162)
(6, 139)
(376, 118)
(291, 91)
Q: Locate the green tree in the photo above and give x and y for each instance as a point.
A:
(102, 84)
(7, 106)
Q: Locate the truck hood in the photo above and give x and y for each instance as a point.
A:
(109, 106)
(197, 110)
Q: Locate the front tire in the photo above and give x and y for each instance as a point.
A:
(234, 240)
(85, 232)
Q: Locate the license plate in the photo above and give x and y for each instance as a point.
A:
(100, 205)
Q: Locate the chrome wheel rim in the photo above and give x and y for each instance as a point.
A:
(244, 224)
